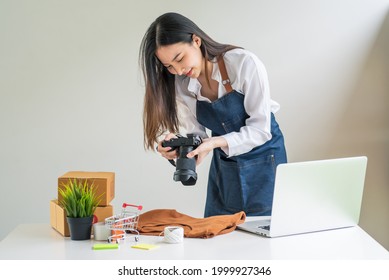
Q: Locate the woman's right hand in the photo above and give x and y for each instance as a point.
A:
(167, 152)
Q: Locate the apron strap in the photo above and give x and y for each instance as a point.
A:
(223, 71)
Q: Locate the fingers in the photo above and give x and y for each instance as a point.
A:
(170, 136)
(160, 148)
(167, 152)
(200, 152)
(192, 154)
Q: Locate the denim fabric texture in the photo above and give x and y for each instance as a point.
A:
(244, 182)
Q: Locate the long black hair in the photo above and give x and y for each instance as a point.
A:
(160, 109)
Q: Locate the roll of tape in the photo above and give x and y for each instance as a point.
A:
(100, 231)
(173, 234)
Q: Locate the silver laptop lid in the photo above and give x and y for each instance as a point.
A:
(317, 195)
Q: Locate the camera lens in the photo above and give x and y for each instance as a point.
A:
(186, 177)
(185, 167)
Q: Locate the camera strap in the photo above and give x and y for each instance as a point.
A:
(223, 71)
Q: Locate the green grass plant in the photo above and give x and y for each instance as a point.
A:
(79, 198)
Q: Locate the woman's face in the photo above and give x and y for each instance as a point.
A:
(182, 58)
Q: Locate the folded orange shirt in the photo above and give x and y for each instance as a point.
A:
(153, 223)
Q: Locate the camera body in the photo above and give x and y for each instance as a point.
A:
(185, 167)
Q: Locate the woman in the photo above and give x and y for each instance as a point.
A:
(194, 83)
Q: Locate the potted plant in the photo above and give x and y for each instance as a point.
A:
(79, 201)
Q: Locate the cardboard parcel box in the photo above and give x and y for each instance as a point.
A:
(58, 216)
(104, 183)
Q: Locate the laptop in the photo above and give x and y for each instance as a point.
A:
(314, 196)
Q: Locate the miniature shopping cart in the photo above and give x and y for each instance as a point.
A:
(123, 224)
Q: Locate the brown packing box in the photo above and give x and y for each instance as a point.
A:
(103, 212)
(104, 183)
(58, 216)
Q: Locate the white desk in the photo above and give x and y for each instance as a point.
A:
(41, 242)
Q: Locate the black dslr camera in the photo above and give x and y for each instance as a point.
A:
(185, 167)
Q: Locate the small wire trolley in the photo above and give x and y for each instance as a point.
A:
(124, 223)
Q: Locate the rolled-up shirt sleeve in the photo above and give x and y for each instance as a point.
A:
(250, 77)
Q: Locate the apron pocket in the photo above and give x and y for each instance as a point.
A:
(228, 181)
(257, 178)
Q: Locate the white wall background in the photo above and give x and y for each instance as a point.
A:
(71, 94)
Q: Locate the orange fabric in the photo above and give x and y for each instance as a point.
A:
(153, 223)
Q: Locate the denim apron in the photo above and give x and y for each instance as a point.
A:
(244, 182)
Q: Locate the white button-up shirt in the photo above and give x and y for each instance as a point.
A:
(248, 76)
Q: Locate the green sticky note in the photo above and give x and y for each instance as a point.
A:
(144, 246)
(103, 246)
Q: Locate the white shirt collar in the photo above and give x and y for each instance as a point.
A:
(195, 86)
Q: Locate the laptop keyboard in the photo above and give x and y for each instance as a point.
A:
(265, 227)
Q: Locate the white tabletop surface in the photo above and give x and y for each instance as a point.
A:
(41, 242)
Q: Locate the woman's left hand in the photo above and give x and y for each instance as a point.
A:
(206, 146)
